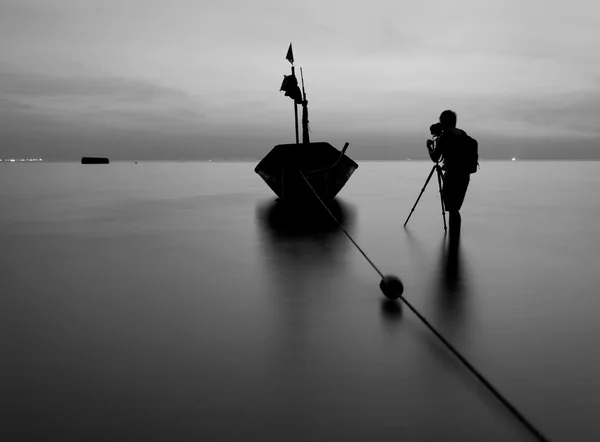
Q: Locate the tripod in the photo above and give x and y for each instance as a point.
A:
(437, 168)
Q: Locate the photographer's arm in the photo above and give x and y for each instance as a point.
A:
(435, 151)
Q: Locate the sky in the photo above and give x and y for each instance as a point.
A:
(172, 79)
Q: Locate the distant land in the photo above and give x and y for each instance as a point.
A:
(257, 160)
(387, 147)
(360, 149)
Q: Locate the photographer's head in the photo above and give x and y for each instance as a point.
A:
(448, 119)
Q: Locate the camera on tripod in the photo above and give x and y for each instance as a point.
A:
(436, 131)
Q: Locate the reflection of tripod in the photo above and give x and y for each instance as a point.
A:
(436, 167)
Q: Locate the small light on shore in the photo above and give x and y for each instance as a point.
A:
(514, 159)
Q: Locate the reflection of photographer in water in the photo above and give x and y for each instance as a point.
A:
(459, 154)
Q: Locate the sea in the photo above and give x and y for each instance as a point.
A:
(179, 301)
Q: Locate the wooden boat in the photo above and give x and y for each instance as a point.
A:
(295, 172)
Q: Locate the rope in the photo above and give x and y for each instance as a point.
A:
(450, 347)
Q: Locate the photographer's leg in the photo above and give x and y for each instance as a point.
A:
(448, 192)
(461, 185)
(455, 221)
(453, 198)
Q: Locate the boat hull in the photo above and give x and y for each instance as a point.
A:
(324, 167)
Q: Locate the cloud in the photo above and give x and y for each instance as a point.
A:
(572, 113)
(61, 116)
(99, 99)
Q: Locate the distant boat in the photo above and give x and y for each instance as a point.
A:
(288, 167)
(94, 160)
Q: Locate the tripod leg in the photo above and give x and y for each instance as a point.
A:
(422, 190)
(439, 175)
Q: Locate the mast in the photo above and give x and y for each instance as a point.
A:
(305, 136)
(290, 57)
(295, 105)
(292, 90)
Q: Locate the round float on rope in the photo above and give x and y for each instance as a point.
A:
(391, 286)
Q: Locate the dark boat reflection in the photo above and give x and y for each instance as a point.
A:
(304, 248)
(283, 220)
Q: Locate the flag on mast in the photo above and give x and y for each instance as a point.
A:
(290, 55)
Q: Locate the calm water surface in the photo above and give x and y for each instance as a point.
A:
(178, 301)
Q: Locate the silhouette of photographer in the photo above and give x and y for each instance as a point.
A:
(458, 151)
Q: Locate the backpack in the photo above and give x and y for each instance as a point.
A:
(470, 154)
(461, 153)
